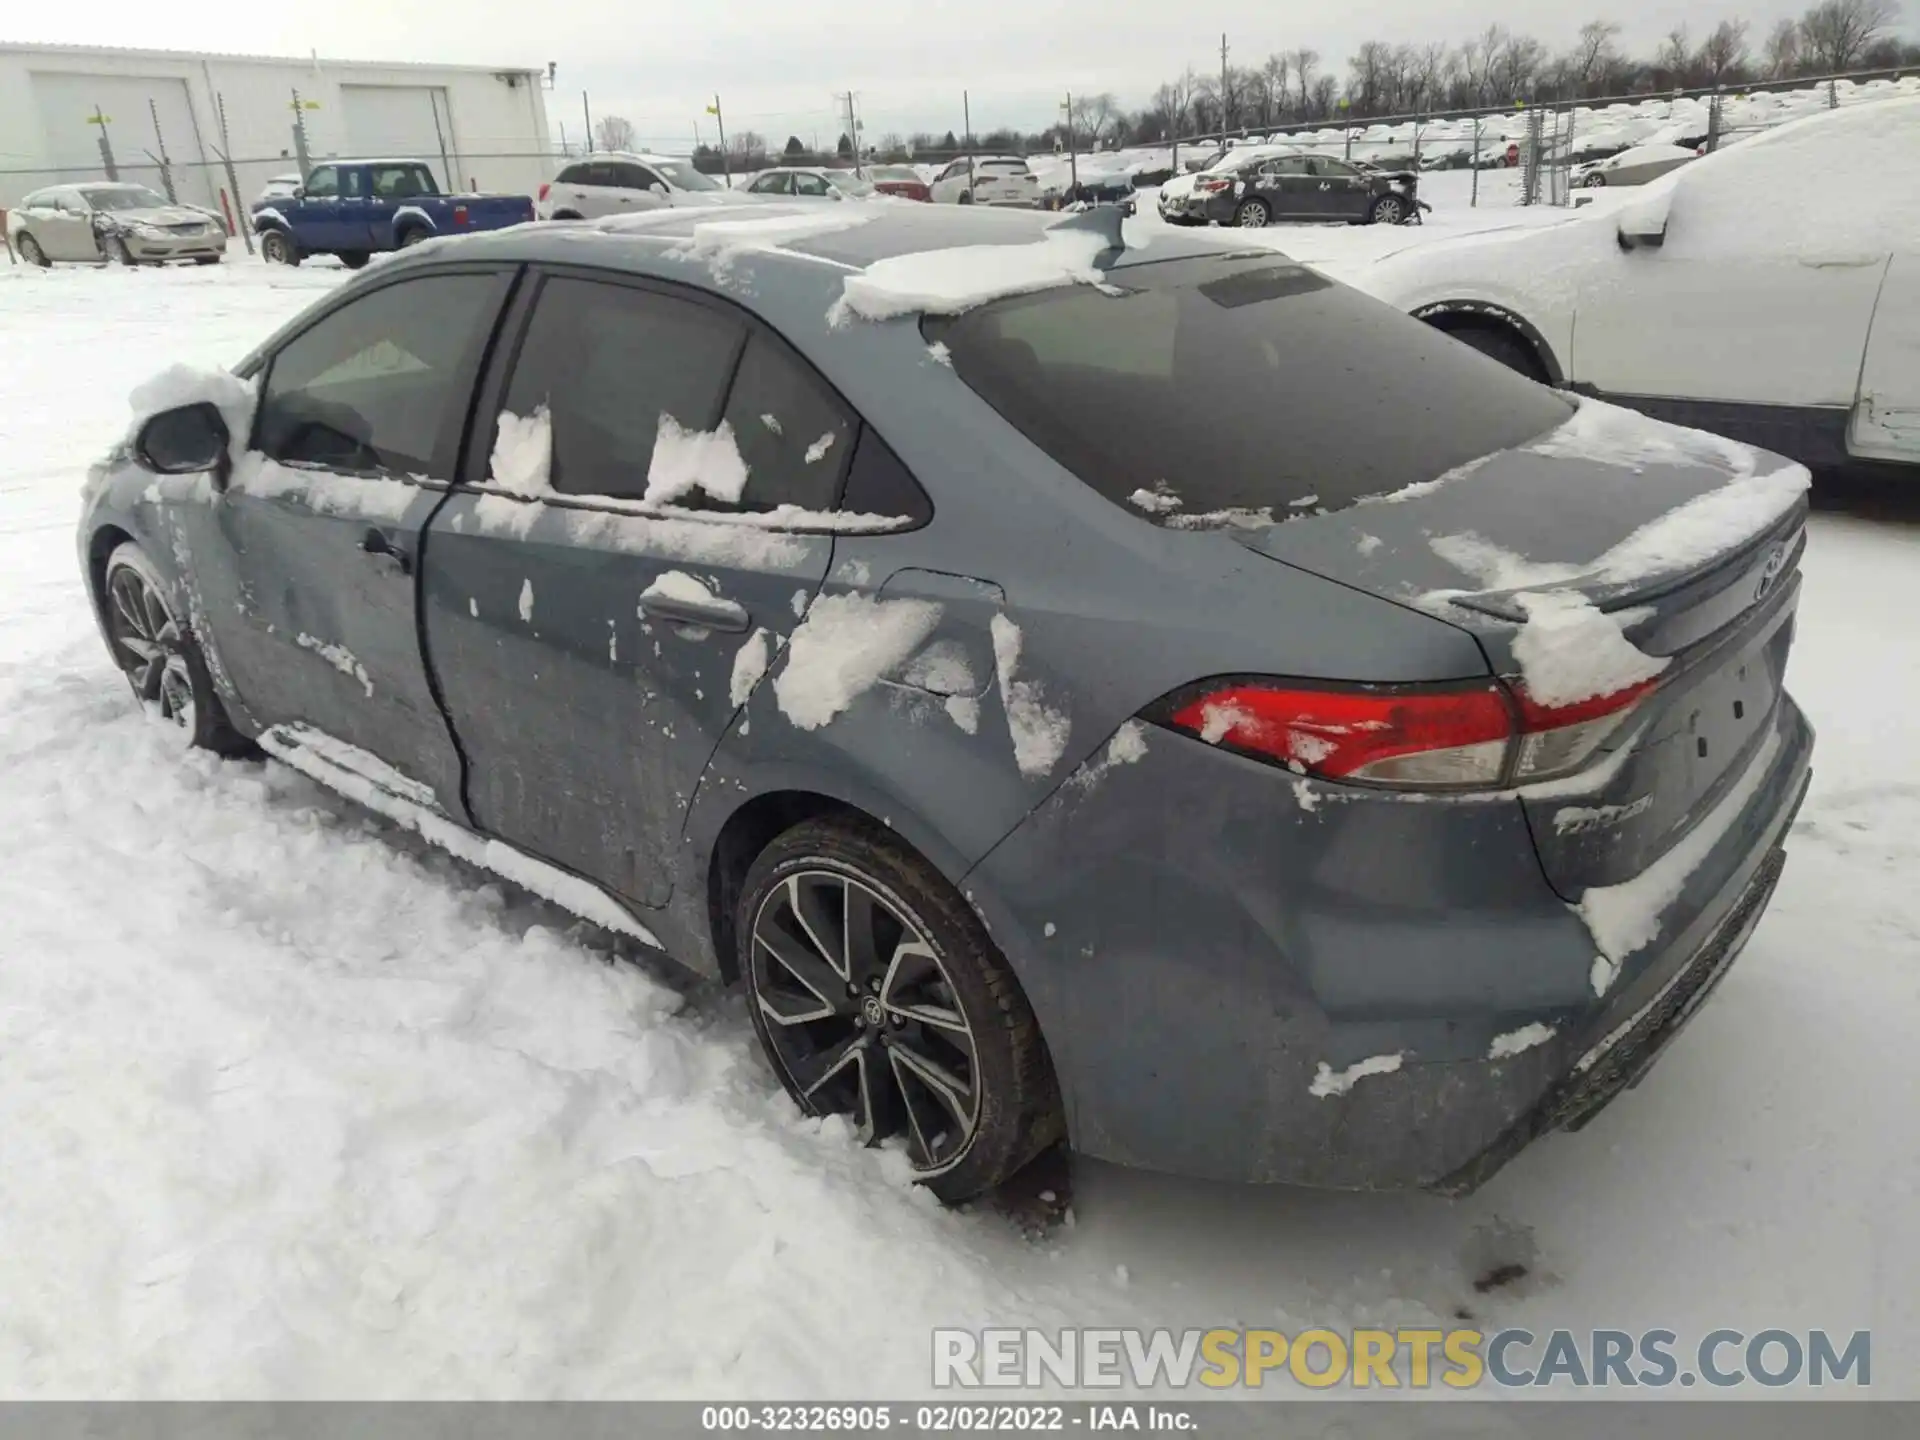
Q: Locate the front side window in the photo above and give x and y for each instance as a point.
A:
(1298, 362)
(322, 183)
(770, 185)
(381, 385)
(609, 363)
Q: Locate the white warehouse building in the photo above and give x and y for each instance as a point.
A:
(478, 128)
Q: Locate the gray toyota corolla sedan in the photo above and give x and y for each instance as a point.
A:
(1141, 694)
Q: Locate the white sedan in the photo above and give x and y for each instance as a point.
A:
(1770, 291)
(1635, 166)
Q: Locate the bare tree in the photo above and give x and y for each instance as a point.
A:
(1325, 90)
(1175, 101)
(1305, 62)
(1479, 57)
(1783, 50)
(1368, 76)
(746, 145)
(1273, 75)
(1674, 58)
(1592, 56)
(1836, 33)
(613, 132)
(1518, 65)
(1723, 54)
(1426, 70)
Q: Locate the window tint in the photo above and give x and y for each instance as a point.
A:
(573, 175)
(792, 431)
(804, 184)
(769, 185)
(1239, 384)
(322, 183)
(382, 383)
(1337, 167)
(402, 182)
(608, 361)
(632, 177)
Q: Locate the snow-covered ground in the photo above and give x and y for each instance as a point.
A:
(292, 1107)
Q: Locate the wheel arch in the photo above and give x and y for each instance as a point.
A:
(744, 834)
(1453, 316)
(100, 547)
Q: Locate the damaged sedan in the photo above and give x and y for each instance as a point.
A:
(119, 223)
(1345, 794)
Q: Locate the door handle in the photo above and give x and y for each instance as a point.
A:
(379, 544)
(707, 615)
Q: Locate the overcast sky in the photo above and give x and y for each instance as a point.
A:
(777, 65)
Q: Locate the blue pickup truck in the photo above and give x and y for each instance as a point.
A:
(353, 209)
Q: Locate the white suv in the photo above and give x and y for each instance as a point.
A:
(616, 183)
(987, 180)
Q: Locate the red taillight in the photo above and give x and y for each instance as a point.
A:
(1216, 185)
(544, 187)
(459, 214)
(1471, 736)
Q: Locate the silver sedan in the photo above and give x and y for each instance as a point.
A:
(125, 224)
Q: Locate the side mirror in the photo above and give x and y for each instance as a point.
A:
(183, 441)
(299, 192)
(1643, 224)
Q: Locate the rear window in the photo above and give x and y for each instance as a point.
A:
(1005, 167)
(1238, 390)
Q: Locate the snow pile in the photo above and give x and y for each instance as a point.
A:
(357, 496)
(179, 385)
(1614, 435)
(1158, 501)
(1709, 525)
(522, 459)
(844, 647)
(721, 242)
(749, 665)
(1625, 918)
(948, 282)
(1039, 731)
(1569, 651)
(688, 460)
(1327, 1081)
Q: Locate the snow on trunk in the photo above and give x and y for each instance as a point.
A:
(947, 282)
(845, 646)
(1039, 730)
(1569, 651)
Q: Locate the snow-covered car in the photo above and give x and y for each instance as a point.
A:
(1184, 199)
(1069, 763)
(107, 220)
(810, 182)
(280, 187)
(617, 183)
(1708, 298)
(987, 180)
(1637, 166)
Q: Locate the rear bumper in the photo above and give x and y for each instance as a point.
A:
(1257, 978)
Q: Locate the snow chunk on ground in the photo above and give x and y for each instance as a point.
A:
(1625, 918)
(1570, 651)
(1328, 1081)
(1039, 731)
(948, 282)
(688, 460)
(1517, 1042)
(522, 458)
(843, 648)
(749, 665)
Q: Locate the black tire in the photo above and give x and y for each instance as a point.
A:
(1507, 346)
(1596, 181)
(116, 252)
(352, 259)
(31, 252)
(277, 247)
(413, 236)
(940, 962)
(1387, 210)
(207, 259)
(159, 655)
(1253, 214)
(567, 215)
(966, 197)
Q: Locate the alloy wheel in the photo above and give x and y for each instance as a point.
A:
(1253, 215)
(862, 1016)
(146, 642)
(1388, 211)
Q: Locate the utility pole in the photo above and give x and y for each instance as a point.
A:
(966, 135)
(846, 100)
(588, 115)
(720, 123)
(1073, 165)
(1223, 88)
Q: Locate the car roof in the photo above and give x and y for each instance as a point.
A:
(637, 242)
(644, 157)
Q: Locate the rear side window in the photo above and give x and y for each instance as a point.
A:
(572, 175)
(608, 362)
(382, 384)
(1238, 390)
(792, 431)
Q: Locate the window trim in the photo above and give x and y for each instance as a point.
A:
(504, 356)
(258, 367)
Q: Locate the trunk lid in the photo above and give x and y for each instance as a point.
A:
(1608, 552)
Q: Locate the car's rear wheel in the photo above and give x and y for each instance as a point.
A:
(1388, 210)
(1595, 181)
(1253, 214)
(878, 995)
(31, 252)
(353, 259)
(410, 238)
(1506, 346)
(160, 657)
(277, 248)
